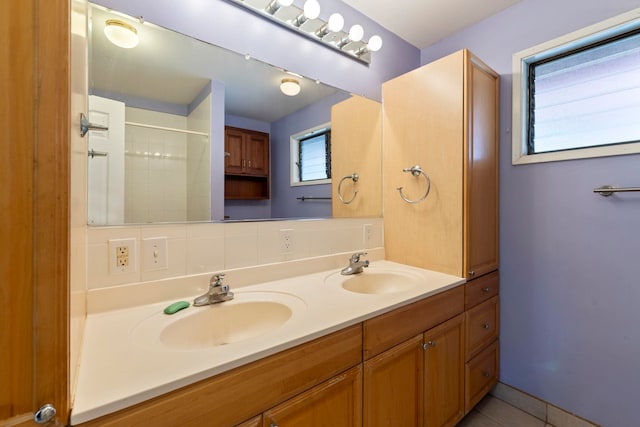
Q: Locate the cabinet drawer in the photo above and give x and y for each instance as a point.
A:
(480, 289)
(482, 326)
(481, 374)
(387, 330)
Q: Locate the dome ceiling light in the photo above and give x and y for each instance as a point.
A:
(290, 87)
(121, 34)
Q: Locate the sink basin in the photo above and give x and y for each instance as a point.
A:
(378, 281)
(247, 316)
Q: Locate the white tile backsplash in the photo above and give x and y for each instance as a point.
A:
(198, 248)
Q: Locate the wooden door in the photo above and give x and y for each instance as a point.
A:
(34, 201)
(481, 169)
(444, 373)
(335, 403)
(393, 386)
(257, 153)
(233, 151)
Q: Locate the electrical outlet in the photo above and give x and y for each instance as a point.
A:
(367, 234)
(154, 252)
(122, 256)
(287, 241)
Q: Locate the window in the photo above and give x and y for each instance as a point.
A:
(579, 96)
(311, 156)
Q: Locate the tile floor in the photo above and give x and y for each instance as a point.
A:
(493, 412)
(496, 412)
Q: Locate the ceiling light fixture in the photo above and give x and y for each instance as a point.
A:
(307, 22)
(121, 34)
(290, 87)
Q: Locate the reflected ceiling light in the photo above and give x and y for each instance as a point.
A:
(121, 34)
(290, 87)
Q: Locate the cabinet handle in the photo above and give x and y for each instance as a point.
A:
(428, 344)
(484, 374)
(486, 289)
(244, 163)
(485, 326)
(472, 273)
(249, 163)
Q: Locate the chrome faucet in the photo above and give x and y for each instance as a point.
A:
(355, 265)
(218, 292)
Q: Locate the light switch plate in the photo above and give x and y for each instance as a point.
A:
(155, 254)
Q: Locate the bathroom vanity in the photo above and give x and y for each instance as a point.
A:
(347, 355)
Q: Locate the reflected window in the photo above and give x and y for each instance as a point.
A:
(311, 157)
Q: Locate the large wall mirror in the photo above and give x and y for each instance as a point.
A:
(167, 102)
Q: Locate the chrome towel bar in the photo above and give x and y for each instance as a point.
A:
(608, 190)
(303, 198)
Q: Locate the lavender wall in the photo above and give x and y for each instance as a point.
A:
(569, 283)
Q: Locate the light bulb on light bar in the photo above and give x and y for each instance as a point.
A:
(311, 9)
(336, 22)
(375, 43)
(356, 33)
(274, 5)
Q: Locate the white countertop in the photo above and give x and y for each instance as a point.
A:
(117, 370)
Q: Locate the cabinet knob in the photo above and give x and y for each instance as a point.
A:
(472, 273)
(485, 289)
(428, 344)
(484, 374)
(485, 326)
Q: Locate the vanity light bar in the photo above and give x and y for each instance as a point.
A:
(307, 23)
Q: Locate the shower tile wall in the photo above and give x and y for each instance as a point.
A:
(155, 168)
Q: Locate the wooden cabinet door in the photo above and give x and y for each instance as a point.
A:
(335, 403)
(233, 151)
(481, 170)
(444, 373)
(393, 386)
(256, 147)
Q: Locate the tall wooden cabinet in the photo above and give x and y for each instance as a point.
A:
(443, 117)
(246, 164)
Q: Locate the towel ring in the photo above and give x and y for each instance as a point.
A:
(354, 177)
(416, 171)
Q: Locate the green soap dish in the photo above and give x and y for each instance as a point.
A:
(176, 307)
